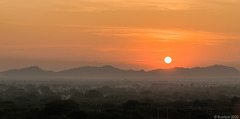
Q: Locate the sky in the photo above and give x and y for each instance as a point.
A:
(128, 34)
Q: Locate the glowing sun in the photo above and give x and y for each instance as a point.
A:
(168, 60)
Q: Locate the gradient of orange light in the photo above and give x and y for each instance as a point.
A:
(183, 54)
(34, 23)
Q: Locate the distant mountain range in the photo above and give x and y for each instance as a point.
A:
(108, 71)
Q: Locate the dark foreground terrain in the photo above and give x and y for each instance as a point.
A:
(122, 99)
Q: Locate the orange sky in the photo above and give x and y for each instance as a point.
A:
(136, 34)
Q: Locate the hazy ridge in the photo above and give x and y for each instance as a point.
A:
(109, 71)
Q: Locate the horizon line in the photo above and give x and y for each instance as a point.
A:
(37, 66)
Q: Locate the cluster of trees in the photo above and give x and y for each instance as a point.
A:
(65, 101)
(132, 109)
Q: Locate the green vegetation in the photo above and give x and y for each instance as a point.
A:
(116, 100)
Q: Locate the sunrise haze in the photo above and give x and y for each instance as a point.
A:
(129, 34)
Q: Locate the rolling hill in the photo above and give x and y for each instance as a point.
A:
(109, 71)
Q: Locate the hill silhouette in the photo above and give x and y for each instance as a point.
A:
(109, 71)
(32, 70)
(104, 71)
(28, 72)
(210, 71)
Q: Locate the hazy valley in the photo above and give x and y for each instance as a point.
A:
(107, 92)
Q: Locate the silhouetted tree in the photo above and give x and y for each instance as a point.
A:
(77, 115)
(60, 107)
(93, 94)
